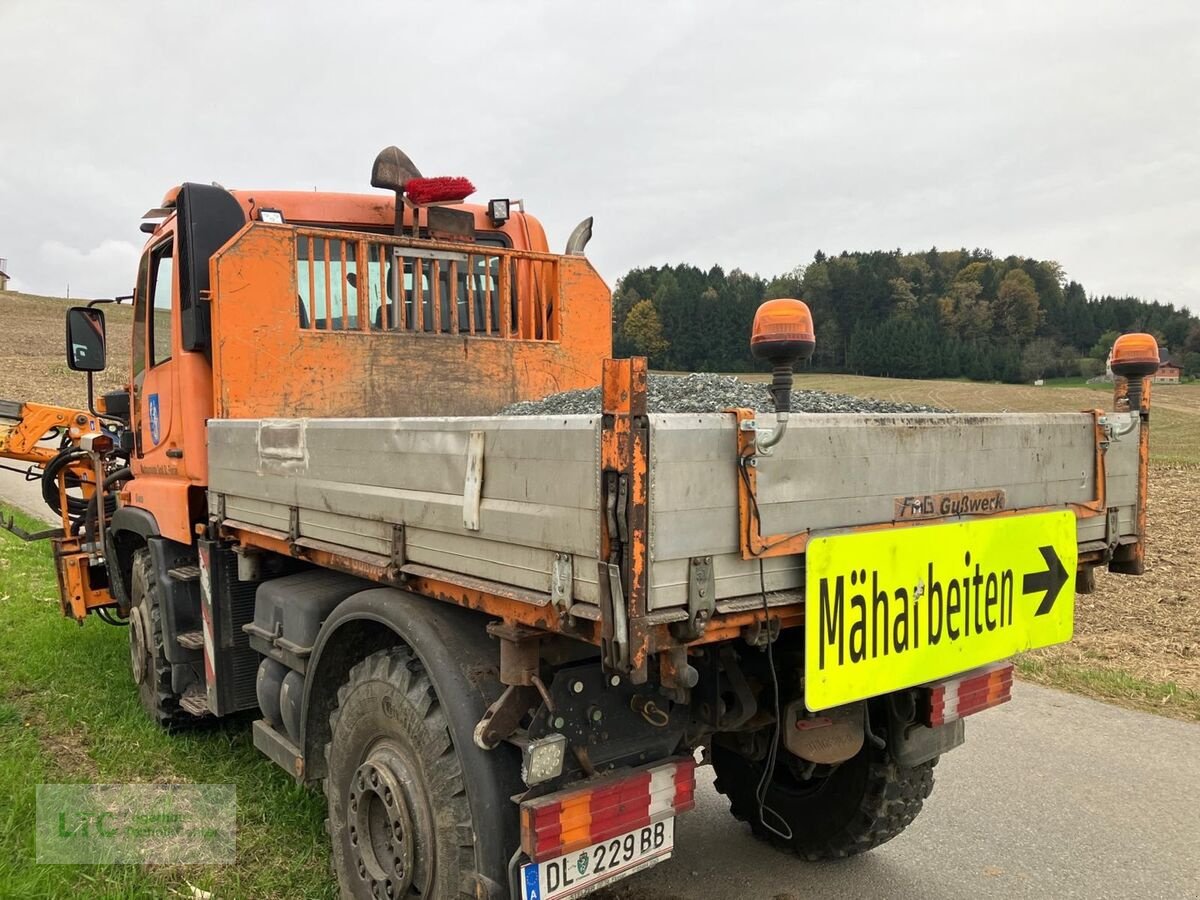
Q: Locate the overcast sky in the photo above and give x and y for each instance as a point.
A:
(743, 134)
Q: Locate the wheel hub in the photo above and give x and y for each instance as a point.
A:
(382, 833)
(138, 646)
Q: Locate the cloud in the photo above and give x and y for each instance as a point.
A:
(745, 134)
(106, 270)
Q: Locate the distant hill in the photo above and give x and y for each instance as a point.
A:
(33, 350)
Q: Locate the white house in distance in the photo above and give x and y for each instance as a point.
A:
(3, 274)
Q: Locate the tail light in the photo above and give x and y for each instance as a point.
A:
(609, 806)
(971, 692)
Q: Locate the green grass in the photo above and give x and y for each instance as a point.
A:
(69, 713)
(1077, 381)
(1113, 686)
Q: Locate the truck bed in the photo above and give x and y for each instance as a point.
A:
(514, 499)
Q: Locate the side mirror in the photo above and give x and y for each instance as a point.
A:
(85, 339)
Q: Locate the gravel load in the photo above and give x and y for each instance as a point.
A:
(708, 392)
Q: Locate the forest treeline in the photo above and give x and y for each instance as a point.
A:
(936, 314)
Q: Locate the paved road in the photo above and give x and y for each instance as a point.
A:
(1052, 796)
(25, 495)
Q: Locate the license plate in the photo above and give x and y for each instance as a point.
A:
(898, 607)
(575, 874)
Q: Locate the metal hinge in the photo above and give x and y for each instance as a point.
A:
(616, 506)
(618, 653)
(562, 577)
(613, 609)
(702, 599)
(399, 554)
(623, 509)
(1112, 530)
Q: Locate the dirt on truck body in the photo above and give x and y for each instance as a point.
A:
(499, 643)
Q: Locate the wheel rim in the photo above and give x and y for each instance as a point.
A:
(138, 648)
(386, 821)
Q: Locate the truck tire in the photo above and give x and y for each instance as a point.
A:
(864, 802)
(399, 821)
(151, 671)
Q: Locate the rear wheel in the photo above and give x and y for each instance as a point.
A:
(399, 821)
(862, 803)
(151, 671)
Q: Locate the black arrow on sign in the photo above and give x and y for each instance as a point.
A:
(1050, 581)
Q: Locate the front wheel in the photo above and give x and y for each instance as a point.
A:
(399, 820)
(147, 658)
(862, 803)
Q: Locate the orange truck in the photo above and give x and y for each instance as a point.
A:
(495, 642)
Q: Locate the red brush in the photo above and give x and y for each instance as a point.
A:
(438, 190)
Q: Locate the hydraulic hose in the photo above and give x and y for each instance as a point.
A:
(87, 520)
(76, 506)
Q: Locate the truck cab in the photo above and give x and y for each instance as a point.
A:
(173, 394)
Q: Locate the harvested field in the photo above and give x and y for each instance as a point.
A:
(1146, 627)
(1176, 435)
(33, 351)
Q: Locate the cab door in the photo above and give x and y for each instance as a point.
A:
(155, 350)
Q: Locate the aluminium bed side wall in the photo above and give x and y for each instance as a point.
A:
(837, 471)
(352, 479)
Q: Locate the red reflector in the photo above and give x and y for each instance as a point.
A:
(971, 692)
(685, 785)
(606, 807)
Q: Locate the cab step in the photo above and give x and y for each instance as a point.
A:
(194, 701)
(190, 640)
(185, 573)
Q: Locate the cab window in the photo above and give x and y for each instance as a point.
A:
(140, 305)
(162, 268)
(327, 289)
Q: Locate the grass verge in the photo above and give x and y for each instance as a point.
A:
(1114, 686)
(68, 713)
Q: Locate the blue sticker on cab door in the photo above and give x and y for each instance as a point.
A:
(154, 429)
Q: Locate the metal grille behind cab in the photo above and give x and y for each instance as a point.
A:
(242, 661)
(351, 282)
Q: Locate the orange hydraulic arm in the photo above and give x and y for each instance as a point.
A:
(24, 428)
(24, 425)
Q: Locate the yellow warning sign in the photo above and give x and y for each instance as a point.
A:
(899, 607)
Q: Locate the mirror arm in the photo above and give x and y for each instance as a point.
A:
(92, 395)
(92, 402)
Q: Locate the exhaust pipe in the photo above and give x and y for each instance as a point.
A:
(579, 238)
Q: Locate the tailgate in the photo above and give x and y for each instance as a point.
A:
(838, 472)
